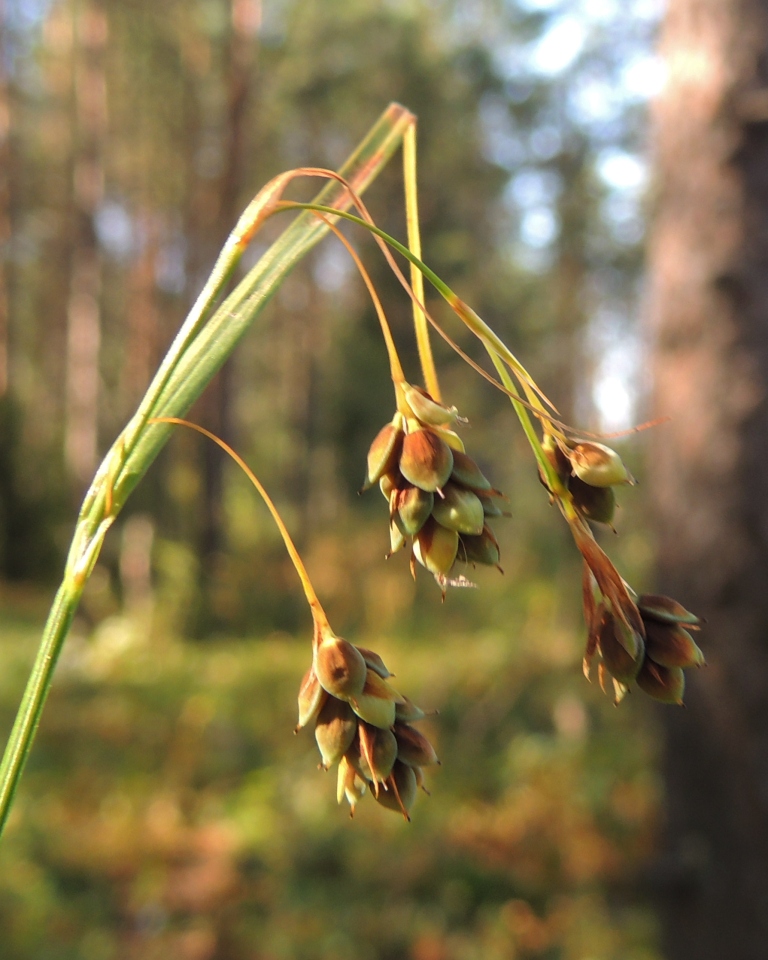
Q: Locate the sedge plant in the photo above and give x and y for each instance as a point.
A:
(440, 504)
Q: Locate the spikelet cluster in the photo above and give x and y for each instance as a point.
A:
(364, 725)
(659, 654)
(437, 494)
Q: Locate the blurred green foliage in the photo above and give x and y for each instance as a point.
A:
(168, 809)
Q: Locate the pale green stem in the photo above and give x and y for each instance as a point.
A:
(428, 369)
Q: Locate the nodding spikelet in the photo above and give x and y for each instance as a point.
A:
(370, 735)
(598, 465)
(374, 662)
(350, 785)
(426, 460)
(340, 667)
(408, 712)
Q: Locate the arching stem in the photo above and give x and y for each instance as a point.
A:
(417, 278)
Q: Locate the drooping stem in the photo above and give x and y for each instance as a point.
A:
(426, 359)
(315, 606)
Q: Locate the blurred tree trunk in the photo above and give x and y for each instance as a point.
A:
(5, 211)
(709, 323)
(83, 308)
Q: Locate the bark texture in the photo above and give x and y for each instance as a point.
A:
(709, 329)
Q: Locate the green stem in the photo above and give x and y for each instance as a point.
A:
(421, 327)
(202, 345)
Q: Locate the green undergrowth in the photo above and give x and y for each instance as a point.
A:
(169, 811)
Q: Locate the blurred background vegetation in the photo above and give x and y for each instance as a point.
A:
(167, 810)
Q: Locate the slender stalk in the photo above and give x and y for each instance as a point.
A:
(315, 606)
(204, 342)
(417, 277)
(553, 480)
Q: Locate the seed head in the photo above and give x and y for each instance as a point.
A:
(369, 734)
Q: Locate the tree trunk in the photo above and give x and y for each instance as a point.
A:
(83, 308)
(709, 328)
(5, 212)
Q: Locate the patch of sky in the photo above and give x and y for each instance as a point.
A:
(643, 76)
(616, 381)
(25, 14)
(539, 6)
(115, 230)
(559, 46)
(622, 215)
(594, 99)
(620, 170)
(539, 227)
(545, 142)
(332, 267)
(502, 144)
(170, 265)
(532, 187)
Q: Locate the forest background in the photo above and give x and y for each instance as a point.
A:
(167, 810)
